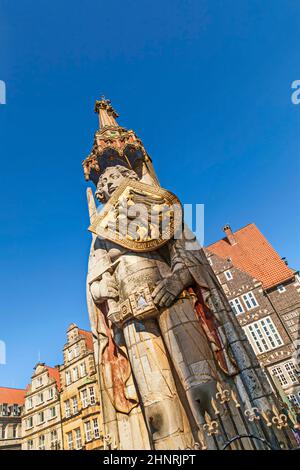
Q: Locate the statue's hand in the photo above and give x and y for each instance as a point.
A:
(167, 290)
(163, 295)
(104, 290)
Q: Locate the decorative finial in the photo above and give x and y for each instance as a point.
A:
(107, 114)
(102, 98)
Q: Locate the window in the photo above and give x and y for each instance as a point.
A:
(77, 350)
(53, 439)
(15, 431)
(70, 354)
(82, 369)
(29, 403)
(39, 381)
(269, 325)
(42, 442)
(41, 417)
(250, 300)
(75, 405)
(281, 289)
(68, 377)
(84, 398)
(92, 395)
(70, 440)
(5, 409)
(236, 306)
(263, 335)
(278, 373)
(88, 431)
(29, 422)
(30, 444)
(75, 374)
(67, 408)
(52, 412)
(228, 275)
(285, 373)
(294, 400)
(16, 410)
(78, 438)
(50, 393)
(40, 398)
(291, 370)
(96, 428)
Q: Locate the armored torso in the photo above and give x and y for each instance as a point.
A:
(136, 275)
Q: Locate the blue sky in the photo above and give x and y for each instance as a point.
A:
(205, 84)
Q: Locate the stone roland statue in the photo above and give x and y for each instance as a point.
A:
(170, 340)
(165, 336)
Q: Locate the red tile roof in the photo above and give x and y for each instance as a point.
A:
(12, 396)
(54, 374)
(254, 254)
(88, 338)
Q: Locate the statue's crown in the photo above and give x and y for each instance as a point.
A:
(113, 145)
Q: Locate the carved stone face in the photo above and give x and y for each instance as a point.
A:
(111, 179)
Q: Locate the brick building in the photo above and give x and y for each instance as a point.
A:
(11, 405)
(264, 293)
(41, 419)
(80, 397)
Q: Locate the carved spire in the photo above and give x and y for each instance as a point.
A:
(114, 145)
(107, 114)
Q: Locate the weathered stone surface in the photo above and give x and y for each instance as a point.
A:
(168, 342)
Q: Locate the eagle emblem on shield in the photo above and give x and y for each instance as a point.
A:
(139, 217)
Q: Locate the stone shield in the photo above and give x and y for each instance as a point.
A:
(139, 217)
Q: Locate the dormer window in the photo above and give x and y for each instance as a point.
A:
(5, 409)
(16, 410)
(281, 289)
(228, 275)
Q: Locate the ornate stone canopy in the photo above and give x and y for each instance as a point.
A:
(113, 145)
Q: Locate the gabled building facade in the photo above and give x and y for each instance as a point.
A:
(264, 294)
(11, 405)
(80, 400)
(41, 419)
